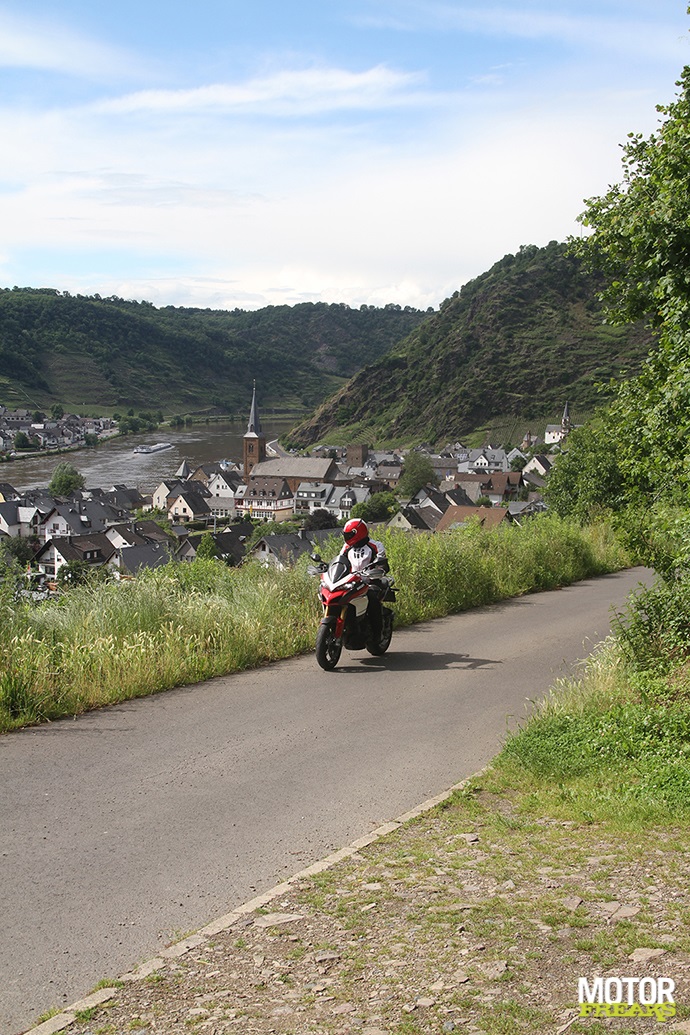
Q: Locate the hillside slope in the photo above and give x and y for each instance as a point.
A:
(110, 353)
(517, 342)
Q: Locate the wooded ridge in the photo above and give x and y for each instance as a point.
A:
(109, 353)
(517, 342)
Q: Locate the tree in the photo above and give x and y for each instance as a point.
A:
(21, 441)
(18, 548)
(417, 471)
(379, 507)
(585, 478)
(319, 519)
(206, 548)
(266, 527)
(66, 479)
(57, 412)
(641, 239)
(78, 573)
(641, 229)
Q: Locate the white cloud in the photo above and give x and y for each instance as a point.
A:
(376, 231)
(46, 45)
(310, 91)
(322, 182)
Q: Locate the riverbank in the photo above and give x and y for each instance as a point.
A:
(113, 462)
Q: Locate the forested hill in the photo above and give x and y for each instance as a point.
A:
(108, 353)
(517, 342)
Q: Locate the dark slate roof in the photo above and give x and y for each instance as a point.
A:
(230, 543)
(74, 547)
(267, 488)
(124, 497)
(9, 512)
(139, 532)
(287, 547)
(150, 555)
(195, 500)
(420, 518)
(89, 515)
(457, 497)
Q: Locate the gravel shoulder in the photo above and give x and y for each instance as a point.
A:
(474, 916)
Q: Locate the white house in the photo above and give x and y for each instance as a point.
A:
(311, 496)
(539, 464)
(222, 487)
(557, 433)
(187, 505)
(163, 492)
(18, 520)
(269, 498)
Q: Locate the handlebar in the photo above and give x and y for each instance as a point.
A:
(366, 575)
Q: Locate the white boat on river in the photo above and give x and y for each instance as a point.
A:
(153, 449)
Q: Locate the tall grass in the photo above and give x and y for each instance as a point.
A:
(614, 744)
(456, 570)
(176, 625)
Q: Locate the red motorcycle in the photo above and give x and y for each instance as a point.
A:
(354, 615)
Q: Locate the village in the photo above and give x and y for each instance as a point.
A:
(32, 430)
(214, 509)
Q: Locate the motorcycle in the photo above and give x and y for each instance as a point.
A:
(346, 600)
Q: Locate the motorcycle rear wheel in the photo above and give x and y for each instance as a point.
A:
(328, 649)
(384, 641)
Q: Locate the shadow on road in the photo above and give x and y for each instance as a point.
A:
(414, 660)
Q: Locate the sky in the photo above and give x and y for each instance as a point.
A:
(232, 154)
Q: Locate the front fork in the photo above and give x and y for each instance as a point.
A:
(335, 617)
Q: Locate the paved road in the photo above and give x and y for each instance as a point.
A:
(128, 827)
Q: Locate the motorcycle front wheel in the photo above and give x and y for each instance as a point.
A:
(328, 649)
(384, 641)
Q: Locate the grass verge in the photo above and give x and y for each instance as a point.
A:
(101, 644)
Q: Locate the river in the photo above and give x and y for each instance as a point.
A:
(113, 462)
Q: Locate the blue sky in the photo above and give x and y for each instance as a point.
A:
(229, 153)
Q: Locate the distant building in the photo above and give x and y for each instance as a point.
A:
(357, 455)
(298, 469)
(271, 499)
(254, 451)
(556, 433)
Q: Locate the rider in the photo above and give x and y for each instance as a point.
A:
(362, 552)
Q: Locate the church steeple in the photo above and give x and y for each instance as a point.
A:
(254, 439)
(254, 425)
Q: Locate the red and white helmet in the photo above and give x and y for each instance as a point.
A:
(355, 532)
